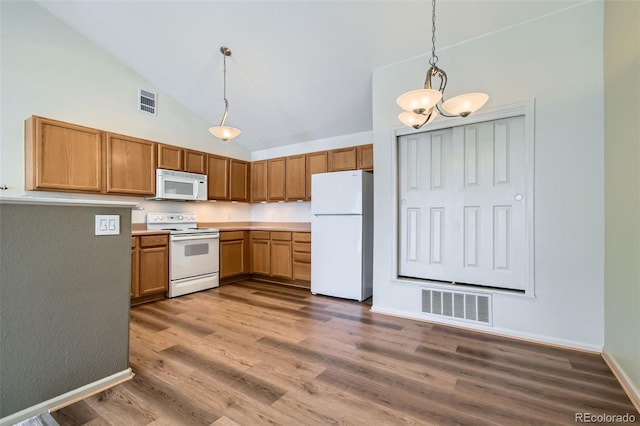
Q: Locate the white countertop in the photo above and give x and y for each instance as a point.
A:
(51, 201)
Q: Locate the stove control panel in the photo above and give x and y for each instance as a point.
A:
(171, 218)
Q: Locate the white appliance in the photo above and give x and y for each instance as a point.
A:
(181, 186)
(193, 252)
(342, 234)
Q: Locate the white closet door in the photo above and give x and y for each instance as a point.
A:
(468, 224)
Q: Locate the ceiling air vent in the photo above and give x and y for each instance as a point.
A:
(457, 305)
(147, 101)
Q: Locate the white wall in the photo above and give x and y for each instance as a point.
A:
(556, 60)
(50, 70)
(622, 190)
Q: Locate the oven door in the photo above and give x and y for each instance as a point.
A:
(193, 255)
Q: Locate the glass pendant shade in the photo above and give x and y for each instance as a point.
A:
(464, 105)
(419, 100)
(411, 119)
(224, 133)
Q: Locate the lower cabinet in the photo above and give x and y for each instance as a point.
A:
(285, 255)
(149, 267)
(234, 253)
(302, 256)
(281, 255)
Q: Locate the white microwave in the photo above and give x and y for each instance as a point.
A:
(182, 186)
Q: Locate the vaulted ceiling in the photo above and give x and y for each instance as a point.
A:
(300, 70)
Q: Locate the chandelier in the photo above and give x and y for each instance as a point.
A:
(422, 106)
(222, 132)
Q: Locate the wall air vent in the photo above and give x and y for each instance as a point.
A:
(147, 101)
(457, 305)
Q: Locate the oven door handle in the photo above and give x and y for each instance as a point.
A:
(195, 237)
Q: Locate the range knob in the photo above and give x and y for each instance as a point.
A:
(180, 217)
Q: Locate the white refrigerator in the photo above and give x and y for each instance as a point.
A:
(342, 234)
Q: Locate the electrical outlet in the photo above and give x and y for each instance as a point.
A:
(107, 224)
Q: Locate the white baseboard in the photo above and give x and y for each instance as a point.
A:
(529, 337)
(68, 398)
(629, 387)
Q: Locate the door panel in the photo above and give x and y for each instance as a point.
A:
(462, 213)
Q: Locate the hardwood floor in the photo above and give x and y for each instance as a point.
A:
(252, 353)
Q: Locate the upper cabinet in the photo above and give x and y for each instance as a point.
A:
(365, 157)
(295, 187)
(218, 177)
(238, 180)
(316, 162)
(194, 161)
(186, 160)
(130, 165)
(343, 159)
(259, 181)
(62, 156)
(276, 178)
(169, 157)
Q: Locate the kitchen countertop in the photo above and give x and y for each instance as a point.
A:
(141, 228)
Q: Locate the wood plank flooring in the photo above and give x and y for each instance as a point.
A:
(253, 353)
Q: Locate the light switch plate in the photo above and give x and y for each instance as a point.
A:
(107, 224)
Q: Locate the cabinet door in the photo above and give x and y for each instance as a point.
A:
(195, 161)
(365, 157)
(62, 156)
(217, 177)
(238, 180)
(342, 159)
(131, 165)
(316, 163)
(135, 267)
(295, 174)
(232, 258)
(154, 270)
(259, 181)
(260, 254)
(281, 257)
(169, 157)
(276, 179)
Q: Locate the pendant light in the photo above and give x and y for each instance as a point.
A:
(222, 132)
(422, 106)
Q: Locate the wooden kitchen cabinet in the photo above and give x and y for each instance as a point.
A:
(169, 157)
(281, 255)
(135, 267)
(194, 161)
(238, 180)
(276, 179)
(218, 177)
(343, 159)
(61, 156)
(295, 188)
(316, 162)
(260, 253)
(259, 181)
(131, 165)
(149, 267)
(234, 253)
(365, 157)
(302, 256)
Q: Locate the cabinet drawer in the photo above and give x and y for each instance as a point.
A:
(134, 242)
(231, 235)
(301, 247)
(302, 257)
(301, 271)
(260, 235)
(303, 237)
(281, 236)
(153, 240)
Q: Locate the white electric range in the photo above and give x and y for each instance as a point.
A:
(193, 252)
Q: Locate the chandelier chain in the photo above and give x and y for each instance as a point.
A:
(434, 59)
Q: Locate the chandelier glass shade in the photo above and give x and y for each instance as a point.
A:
(422, 106)
(222, 132)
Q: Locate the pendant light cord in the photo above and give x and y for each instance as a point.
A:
(434, 59)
